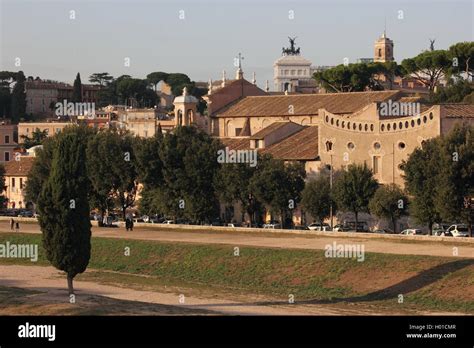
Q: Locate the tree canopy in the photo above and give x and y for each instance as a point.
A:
(353, 189)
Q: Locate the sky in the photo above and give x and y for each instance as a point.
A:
(202, 37)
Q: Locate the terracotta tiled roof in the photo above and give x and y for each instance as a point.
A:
(302, 145)
(304, 104)
(19, 168)
(269, 129)
(236, 143)
(458, 110)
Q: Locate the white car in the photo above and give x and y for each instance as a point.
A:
(168, 222)
(411, 232)
(458, 231)
(318, 227)
(271, 226)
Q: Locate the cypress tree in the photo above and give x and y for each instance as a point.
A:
(64, 208)
(77, 90)
(18, 99)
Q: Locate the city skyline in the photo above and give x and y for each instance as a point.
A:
(205, 38)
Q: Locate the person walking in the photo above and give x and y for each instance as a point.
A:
(12, 224)
(17, 226)
(131, 224)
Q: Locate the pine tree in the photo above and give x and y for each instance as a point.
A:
(77, 90)
(64, 208)
(18, 99)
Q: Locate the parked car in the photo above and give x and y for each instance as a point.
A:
(361, 226)
(155, 220)
(233, 224)
(26, 213)
(315, 226)
(460, 230)
(168, 222)
(301, 228)
(411, 232)
(439, 228)
(384, 231)
(272, 225)
(340, 228)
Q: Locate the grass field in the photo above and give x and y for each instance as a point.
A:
(426, 283)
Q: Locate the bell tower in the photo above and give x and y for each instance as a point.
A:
(185, 109)
(383, 49)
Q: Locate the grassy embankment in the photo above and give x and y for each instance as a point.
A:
(427, 283)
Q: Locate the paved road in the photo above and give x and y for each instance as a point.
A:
(408, 247)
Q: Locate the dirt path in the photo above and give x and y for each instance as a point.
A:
(51, 283)
(408, 247)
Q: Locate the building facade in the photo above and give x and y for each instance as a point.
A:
(51, 128)
(16, 174)
(8, 142)
(41, 95)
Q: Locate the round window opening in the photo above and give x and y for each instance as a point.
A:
(377, 146)
(401, 145)
(350, 145)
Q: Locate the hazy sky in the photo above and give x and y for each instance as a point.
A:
(212, 33)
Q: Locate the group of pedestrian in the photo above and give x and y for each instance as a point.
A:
(14, 225)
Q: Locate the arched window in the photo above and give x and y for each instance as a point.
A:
(380, 52)
(189, 117)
